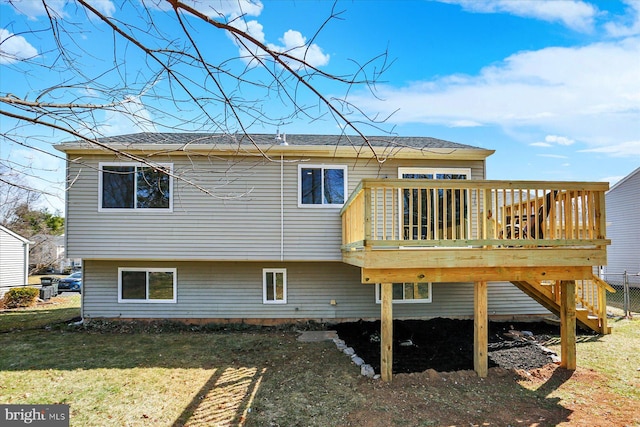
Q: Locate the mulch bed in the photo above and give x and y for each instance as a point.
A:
(446, 345)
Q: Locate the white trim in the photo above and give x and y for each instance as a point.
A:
(17, 236)
(169, 166)
(434, 171)
(323, 167)
(407, 301)
(147, 270)
(275, 271)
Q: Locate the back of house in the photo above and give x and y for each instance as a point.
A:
(207, 227)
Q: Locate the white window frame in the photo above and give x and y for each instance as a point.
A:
(323, 167)
(274, 271)
(101, 165)
(406, 301)
(174, 271)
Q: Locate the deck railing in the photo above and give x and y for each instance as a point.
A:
(460, 213)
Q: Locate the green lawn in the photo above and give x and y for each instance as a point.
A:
(174, 375)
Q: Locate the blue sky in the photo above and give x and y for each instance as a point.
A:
(552, 85)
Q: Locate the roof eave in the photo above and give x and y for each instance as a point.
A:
(381, 152)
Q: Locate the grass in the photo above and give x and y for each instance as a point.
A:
(57, 310)
(175, 376)
(172, 378)
(616, 355)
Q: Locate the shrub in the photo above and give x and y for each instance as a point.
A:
(20, 297)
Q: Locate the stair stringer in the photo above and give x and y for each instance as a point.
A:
(544, 296)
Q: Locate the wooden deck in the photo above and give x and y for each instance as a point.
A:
(542, 236)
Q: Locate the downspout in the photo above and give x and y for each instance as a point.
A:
(281, 207)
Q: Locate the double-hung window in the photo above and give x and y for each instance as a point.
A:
(274, 285)
(133, 186)
(408, 292)
(321, 185)
(147, 284)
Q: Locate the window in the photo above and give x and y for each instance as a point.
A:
(434, 214)
(408, 292)
(274, 283)
(322, 185)
(147, 284)
(134, 186)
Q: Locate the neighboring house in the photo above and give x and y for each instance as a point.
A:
(14, 260)
(64, 264)
(623, 225)
(231, 229)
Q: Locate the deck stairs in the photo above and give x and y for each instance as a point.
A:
(591, 308)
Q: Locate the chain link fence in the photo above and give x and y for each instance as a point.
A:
(627, 295)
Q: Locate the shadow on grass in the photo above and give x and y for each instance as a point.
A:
(282, 381)
(225, 399)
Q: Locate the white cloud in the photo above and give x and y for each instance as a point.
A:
(234, 12)
(628, 24)
(591, 93)
(295, 44)
(292, 43)
(560, 140)
(623, 149)
(14, 48)
(540, 144)
(216, 8)
(33, 9)
(553, 156)
(131, 117)
(574, 14)
(106, 7)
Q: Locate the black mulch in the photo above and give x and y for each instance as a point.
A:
(446, 345)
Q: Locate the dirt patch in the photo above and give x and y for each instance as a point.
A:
(446, 345)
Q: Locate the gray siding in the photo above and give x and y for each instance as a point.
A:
(233, 290)
(240, 221)
(12, 262)
(623, 225)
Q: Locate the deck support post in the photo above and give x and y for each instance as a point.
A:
(568, 324)
(386, 332)
(480, 330)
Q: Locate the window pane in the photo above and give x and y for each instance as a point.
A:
(269, 285)
(451, 176)
(417, 176)
(334, 186)
(153, 189)
(117, 186)
(279, 286)
(398, 291)
(311, 186)
(422, 291)
(134, 285)
(160, 285)
(408, 291)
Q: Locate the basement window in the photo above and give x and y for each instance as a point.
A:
(147, 285)
(274, 286)
(408, 292)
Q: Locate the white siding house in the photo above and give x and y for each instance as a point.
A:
(237, 233)
(14, 260)
(623, 225)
